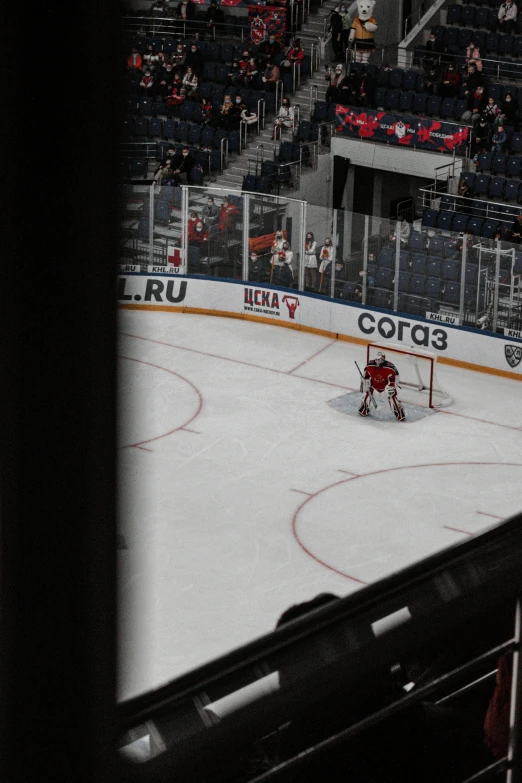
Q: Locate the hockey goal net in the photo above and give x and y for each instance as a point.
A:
(417, 374)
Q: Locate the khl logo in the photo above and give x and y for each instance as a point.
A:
(403, 331)
(513, 354)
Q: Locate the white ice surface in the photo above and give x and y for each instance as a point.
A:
(242, 491)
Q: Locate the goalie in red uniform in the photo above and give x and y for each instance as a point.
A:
(382, 376)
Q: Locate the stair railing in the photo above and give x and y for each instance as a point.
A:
(260, 115)
(278, 95)
(313, 95)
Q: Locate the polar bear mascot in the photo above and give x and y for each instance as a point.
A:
(363, 28)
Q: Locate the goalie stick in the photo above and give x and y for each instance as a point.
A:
(362, 378)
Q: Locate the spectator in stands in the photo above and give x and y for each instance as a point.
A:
(186, 13)
(176, 96)
(258, 268)
(472, 80)
(134, 61)
(509, 108)
(194, 58)
(165, 79)
(228, 116)
(267, 50)
(491, 111)
(463, 194)
(147, 83)
(198, 236)
(285, 118)
(499, 139)
(481, 138)
(235, 76)
(247, 116)
(270, 76)
(434, 49)
(206, 111)
(181, 166)
(507, 16)
(213, 18)
(366, 88)
(151, 56)
(210, 214)
(476, 105)
(282, 265)
(334, 77)
(326, 256)
(514, 234)
(473, 56)
(191, 224)
(178, 57)
(293, 55)
(336, 29)
(348, 92)
(432, 79)
(190, 83)
(404, 232)
(450, 85)
(310, 262)
(346, 17)
(227, 212)
(251, 72)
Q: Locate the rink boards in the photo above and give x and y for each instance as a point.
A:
(454, 345)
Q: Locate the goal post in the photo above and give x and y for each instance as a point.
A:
(417, 373)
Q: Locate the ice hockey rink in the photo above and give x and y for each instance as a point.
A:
(243, 491)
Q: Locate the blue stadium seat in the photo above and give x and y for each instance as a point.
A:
(460, 107)
(460, 222)
(471, 274)
(496, 187)
(406, 102)
(138, 169)
(418, 263)
(396, 78)
(445, 221)
(451, 37)
(512, 189)
(465, 37)
(380, 97)
(467, 18)
(469, 178)
(453, 13)
(404, 281)
(418, 285)
(499, 163)
(207, 137)
(320, 111)
(434, 266)
(381, 298)
(514, 166)
(384, 278)
(505, 44)
(451, 269)
(449, 250)
(145, 107)
(194, 133)
(447, 108)
(433, 105)
(492, 43)
(417, 241)
(417, 305)
(433, 288)
(155, 127)
(141, 126)
(182, 132)
(482, 18)
(481, 184)
(392, 100)
(419, 103)
(404, 261)
(516, 142)
(429, 218)
(387, 257)
(436, 245)
(484, 161)
(470, 296)
(410, 80)
(383, 78)
(490, 228)
(452, 293)
(517, 47)
(213, 51)
(169, 129)
(475, 225)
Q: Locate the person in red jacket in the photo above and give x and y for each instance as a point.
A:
(450, 86)
(134, 60)
(227, 212)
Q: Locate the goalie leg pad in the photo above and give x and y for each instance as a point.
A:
(364, 409)
(397, 409)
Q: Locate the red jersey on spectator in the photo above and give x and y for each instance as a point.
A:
(226, 212)
(381, 376)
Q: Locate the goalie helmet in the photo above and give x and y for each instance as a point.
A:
(380, 358)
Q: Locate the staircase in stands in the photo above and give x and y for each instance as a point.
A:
(238, 165)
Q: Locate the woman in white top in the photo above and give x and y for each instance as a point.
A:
(310, 254)
(284, 119)
(190, 82)
(283, 274)
(326, 256)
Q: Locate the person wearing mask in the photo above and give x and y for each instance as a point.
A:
(349, 90)
(210, 214)
(404, 232)
(165, 80)
(347, 20)
(463, 197)
(194, 58)
(334, 77)
(450, 85)
(282, 266)
(186, 13)
(508, 108)
(499, 139)
(294, 56)
(434, 49)
(258, 268)
(267, 50)
(476, 105)
(507, 16)
(326, 256)
(284, 119)
(147, 83)
(198, 237)
(227, 212)
(181, 166)
(270, 76)
(491, 111)
(432, 79)
(472, 79)
(190, 83)
(164, 172)
(310, 262)
(366, 89)
(481, 138)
